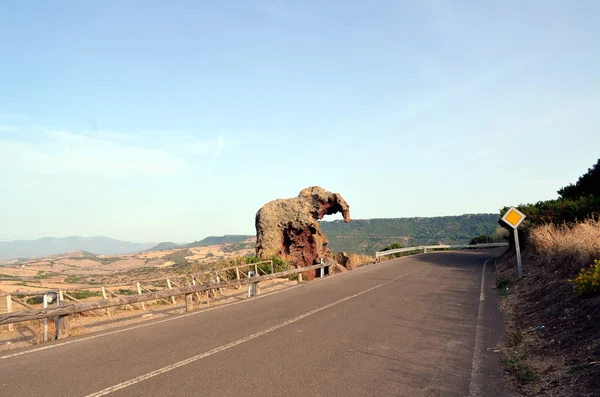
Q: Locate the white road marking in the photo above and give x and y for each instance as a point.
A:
(103, 334)
(141, 325)
(475, 382)
(190, 360)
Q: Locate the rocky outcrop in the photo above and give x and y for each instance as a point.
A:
(289, 227)
(344, 259)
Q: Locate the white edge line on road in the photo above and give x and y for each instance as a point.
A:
(148, 324)
(194, 313)
(475, 381)
(190, 360)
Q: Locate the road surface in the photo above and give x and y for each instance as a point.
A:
(418, 326)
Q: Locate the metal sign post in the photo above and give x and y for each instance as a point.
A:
(514, 218)
(518, 250)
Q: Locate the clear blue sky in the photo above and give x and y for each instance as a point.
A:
(174, 120)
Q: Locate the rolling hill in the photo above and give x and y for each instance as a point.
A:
(365, 236)
(53, 246)
(359, 236)
(205, 242)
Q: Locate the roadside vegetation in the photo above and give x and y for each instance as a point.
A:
(552, 343)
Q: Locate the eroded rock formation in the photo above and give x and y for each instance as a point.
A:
(289, 227)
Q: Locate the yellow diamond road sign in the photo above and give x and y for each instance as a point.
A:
(513, 217)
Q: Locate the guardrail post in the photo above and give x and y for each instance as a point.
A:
(299, 277)
(139, 290)
(272, 268)
(251, 286)
(9, 310)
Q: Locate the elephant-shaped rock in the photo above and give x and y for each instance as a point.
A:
(289, 228)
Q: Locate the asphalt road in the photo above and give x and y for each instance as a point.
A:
(417, 326)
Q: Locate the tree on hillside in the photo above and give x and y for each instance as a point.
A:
(587, 185)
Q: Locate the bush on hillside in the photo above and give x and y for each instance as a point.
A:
(484, 238)
(588, 280)
(279, 264)
(577, 202)
(587, 185)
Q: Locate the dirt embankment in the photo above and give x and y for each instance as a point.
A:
(553, 333)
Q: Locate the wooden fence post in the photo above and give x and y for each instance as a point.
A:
(170, 287)
(189, 304)
(9, 309)
(45, 306)
(272, 268)
(194, 284)
(237, 273)
(61, 296)
(219, 282)
(139, 290)
(105, 297)
(299, 277)
(62, 327)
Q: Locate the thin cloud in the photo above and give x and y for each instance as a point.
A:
(483, 153)
(442, 16)
(8, 128)
(283, 15)
(466, 86)
(219, 148)
(217, 153)
(54, 152)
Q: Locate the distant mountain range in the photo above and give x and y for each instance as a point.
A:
(53, 246)
(99, 245)
(359, 236)
(208, 241)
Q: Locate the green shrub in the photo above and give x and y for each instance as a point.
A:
(502, 285)
(588, 280)
(484, 238)
(83, 294)
(124, 291)
(35, 300)
(279, 264)
(519, 368)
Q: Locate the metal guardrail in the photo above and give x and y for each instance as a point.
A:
(424, 248)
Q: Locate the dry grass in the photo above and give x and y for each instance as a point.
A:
(566, 248)
(563, 357)
(35, 328)
(359, 259)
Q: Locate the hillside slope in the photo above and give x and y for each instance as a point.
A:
(369, 235)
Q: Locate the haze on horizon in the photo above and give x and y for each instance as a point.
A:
(171, 121)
